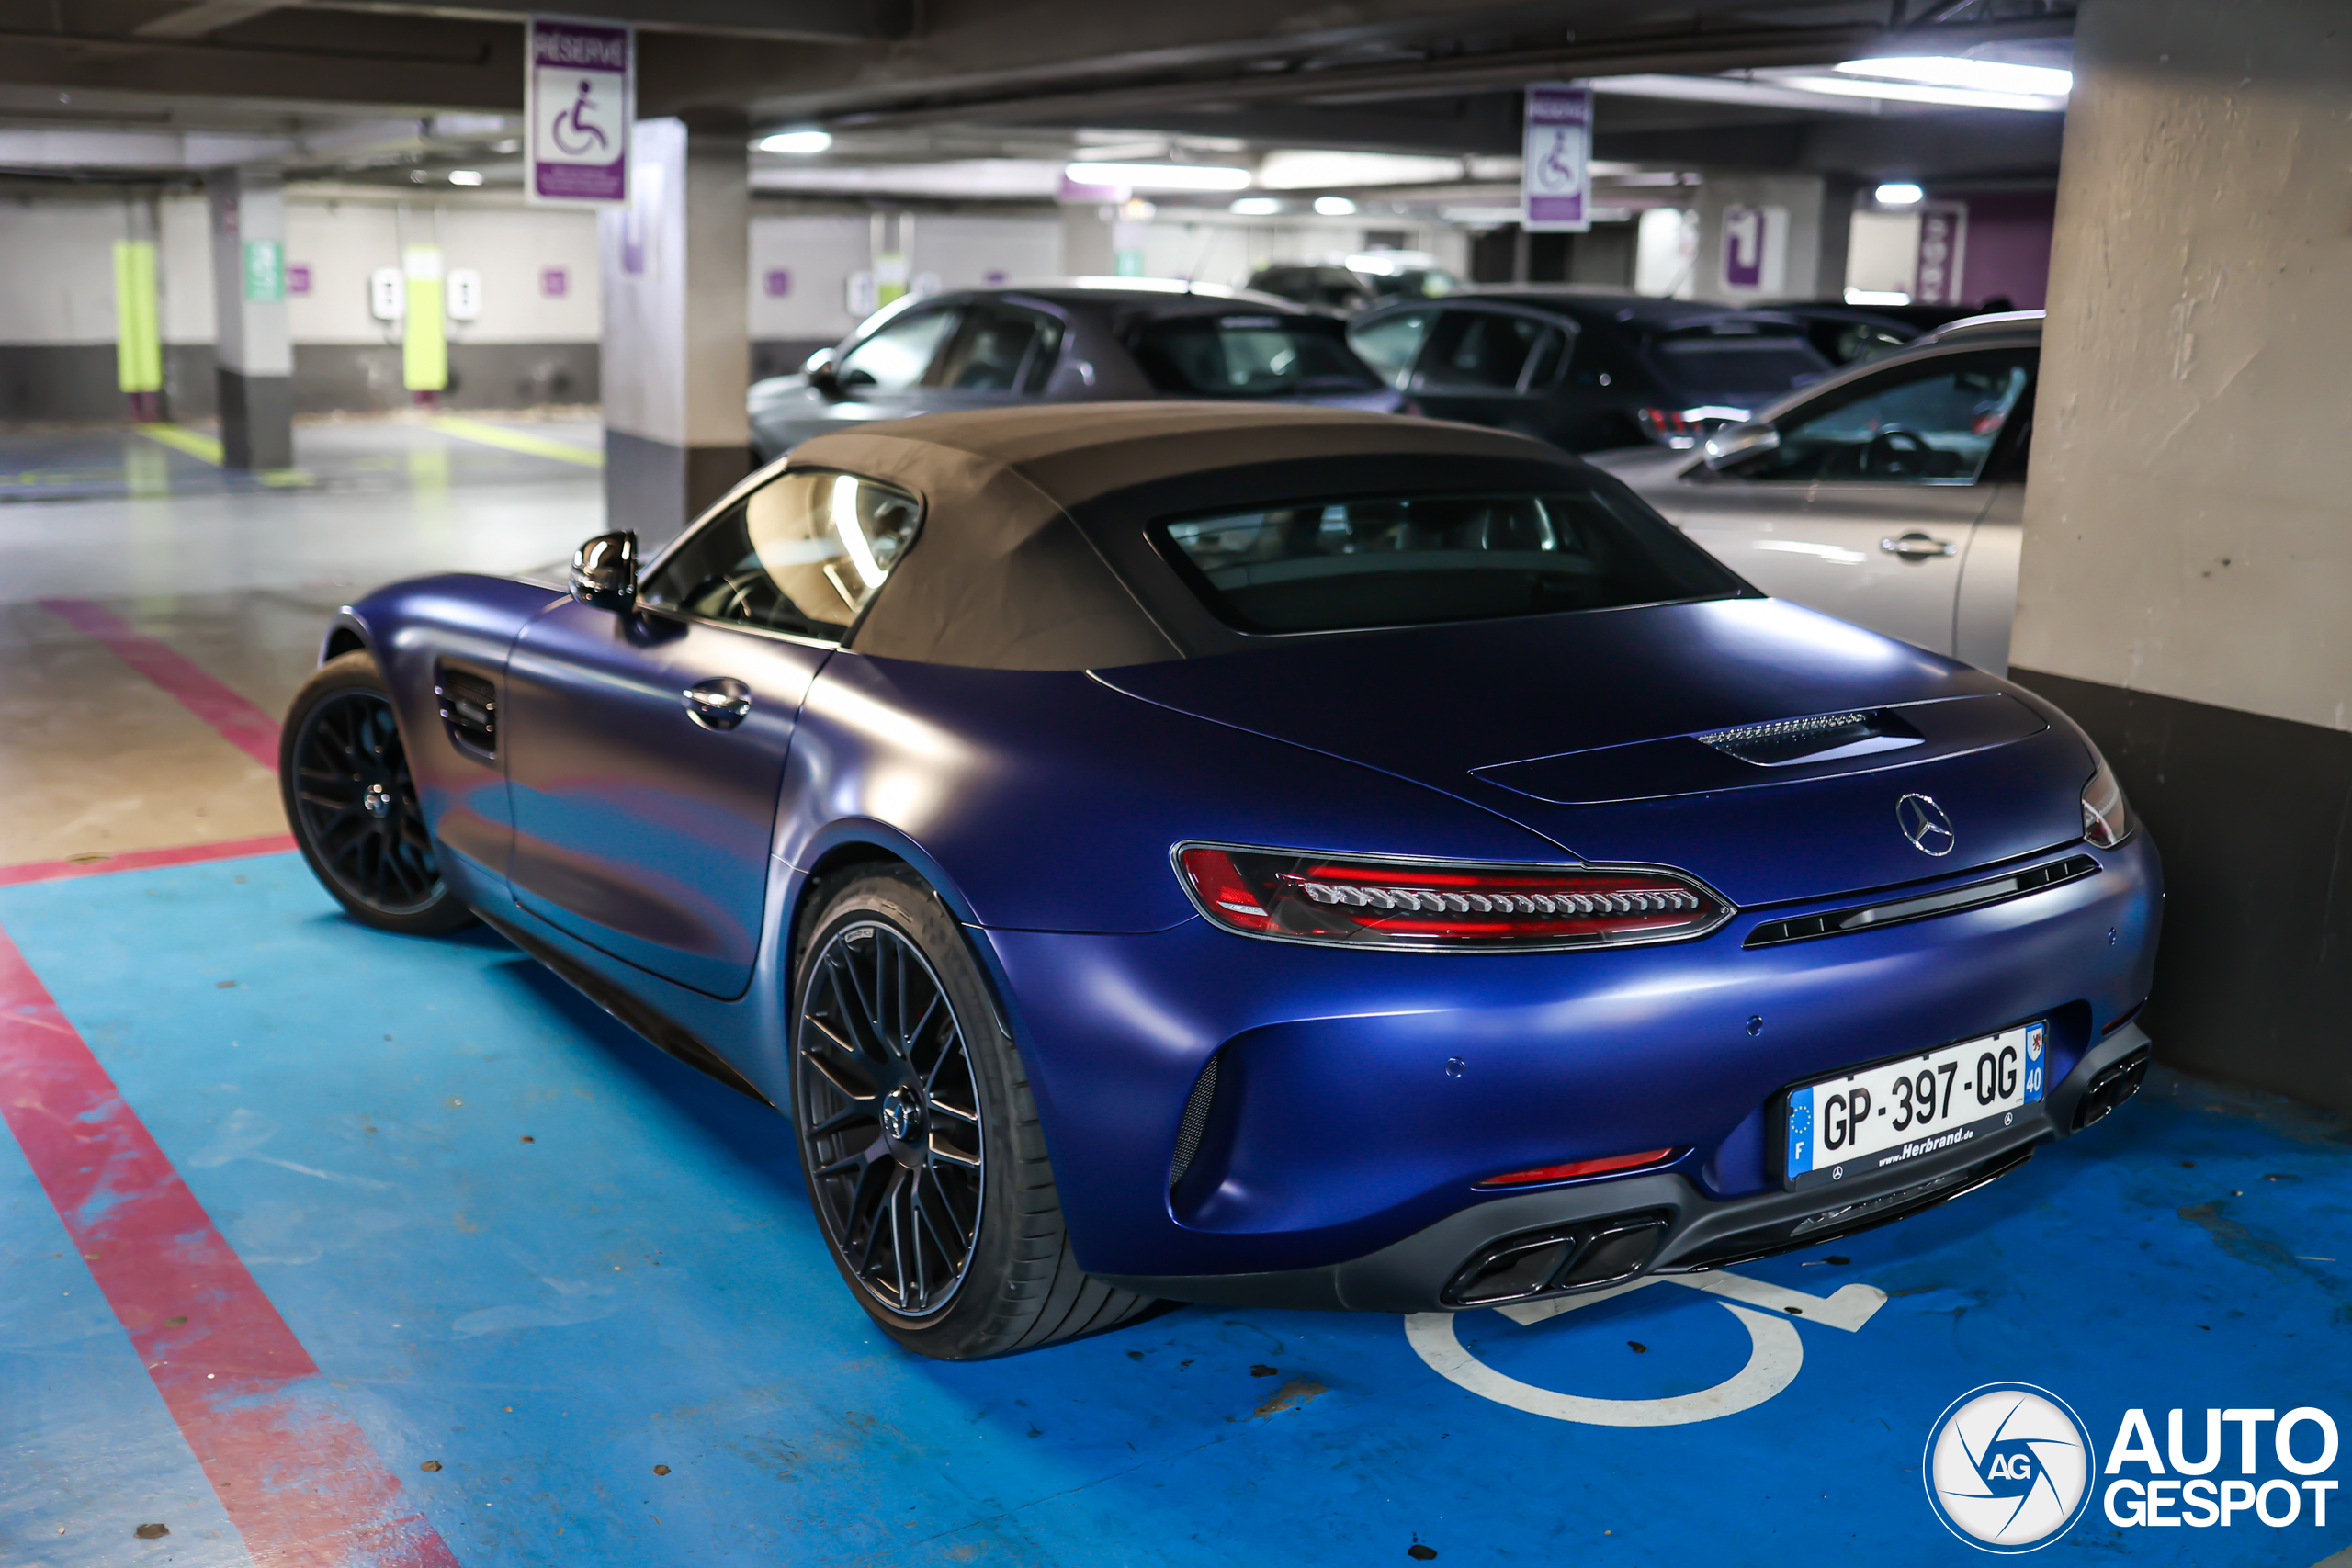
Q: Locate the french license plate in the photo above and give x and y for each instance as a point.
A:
(1878, 1118)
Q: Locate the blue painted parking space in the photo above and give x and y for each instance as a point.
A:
(581, 1284)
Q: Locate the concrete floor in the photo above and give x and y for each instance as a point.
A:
(320, 1246)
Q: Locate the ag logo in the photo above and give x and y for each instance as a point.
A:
(2008, 1467)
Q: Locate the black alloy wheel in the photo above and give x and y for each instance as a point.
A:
(352, 805)
(889, 1113)
(920, 1140)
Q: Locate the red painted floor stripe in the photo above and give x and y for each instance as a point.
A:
(299, 1479)
(240, 723)
(144, 860)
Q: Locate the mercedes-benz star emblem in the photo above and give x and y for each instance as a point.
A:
(1924, 823)
(898, 1116)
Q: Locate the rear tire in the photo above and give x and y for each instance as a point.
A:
(343, 773)
(918, 1139)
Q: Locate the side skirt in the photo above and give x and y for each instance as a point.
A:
(661, 1031)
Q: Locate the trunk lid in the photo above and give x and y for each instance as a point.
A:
(1757, 745)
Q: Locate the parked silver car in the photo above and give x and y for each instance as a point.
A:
(1088, 340)
(1891, 496)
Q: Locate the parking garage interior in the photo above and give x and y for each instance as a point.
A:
(324, 1247)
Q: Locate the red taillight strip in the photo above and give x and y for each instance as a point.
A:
(1574, 1168)
(1627, 901)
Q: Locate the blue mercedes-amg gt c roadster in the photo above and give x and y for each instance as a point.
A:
(1258, 855)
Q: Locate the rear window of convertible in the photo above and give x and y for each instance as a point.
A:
(1398, 560)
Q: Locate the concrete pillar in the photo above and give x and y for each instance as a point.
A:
(2186, 566)
(250, 343)
(677, 344)
(1764, 237)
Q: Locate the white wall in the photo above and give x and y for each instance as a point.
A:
(57, 270)
(184, 271)
(1884, 254)
(342, 242)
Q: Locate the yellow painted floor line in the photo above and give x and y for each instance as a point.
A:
(180, 438)
(518, 441)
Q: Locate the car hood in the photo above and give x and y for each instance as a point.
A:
(1584, 728)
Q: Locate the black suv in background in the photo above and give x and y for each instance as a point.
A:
(1587, 370)
(1085, 341)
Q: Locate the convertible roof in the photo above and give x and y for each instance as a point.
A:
(1032, 554)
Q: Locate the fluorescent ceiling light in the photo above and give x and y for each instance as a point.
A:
(1905, 92)
(1725, 90)
(465, 177)
(1334, 205)
(1160, 176)
(1876, 296)
(800, 141)
(1294, 169)
(1952, 70)
(1257, 207)
(1900, 193)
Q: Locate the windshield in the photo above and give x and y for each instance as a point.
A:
(1411, 559)
(1250, 356)
(1709, 365)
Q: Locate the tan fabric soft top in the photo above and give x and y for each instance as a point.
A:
(1001, 577)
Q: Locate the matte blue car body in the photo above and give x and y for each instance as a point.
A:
(1042, 807)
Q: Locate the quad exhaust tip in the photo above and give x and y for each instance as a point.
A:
(2114, 1086)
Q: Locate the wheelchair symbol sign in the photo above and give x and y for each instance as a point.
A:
(1770, 1313)
(581, 104)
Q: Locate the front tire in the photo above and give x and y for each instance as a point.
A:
(343, 772)
(918, 1139)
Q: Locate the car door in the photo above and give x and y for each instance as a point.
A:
(646, 747)
(998, 354)
(1867, 507)
(881, 377)
(1988, 573)
(1390, 340)
(1491, 365)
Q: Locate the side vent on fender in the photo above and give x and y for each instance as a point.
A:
(1196, 1123)
(469, 709)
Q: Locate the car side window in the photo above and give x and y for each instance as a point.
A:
(802, 554)
(995, 350)
(1484, 350)
(1390, 344)
(1935, 421)
(895, 358)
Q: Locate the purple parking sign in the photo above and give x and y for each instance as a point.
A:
(580, 82)
(1555, 178)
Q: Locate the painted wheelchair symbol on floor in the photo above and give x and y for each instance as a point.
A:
(1770, 1313)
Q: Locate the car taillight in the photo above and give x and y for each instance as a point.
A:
(2107, 817)
(1440, 905)
(1667, 426)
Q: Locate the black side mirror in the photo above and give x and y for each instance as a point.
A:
(604, 572)
(820, 369)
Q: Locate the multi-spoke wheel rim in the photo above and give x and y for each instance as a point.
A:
(358, 803)
(890, 1115)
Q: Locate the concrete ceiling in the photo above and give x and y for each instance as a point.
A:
(347, 85)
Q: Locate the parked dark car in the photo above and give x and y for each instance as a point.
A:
(1847, 334)
(1261, 855)
(1066, 343)
(1585, 370)
(1349, 288)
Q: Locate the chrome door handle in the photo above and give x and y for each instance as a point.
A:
(1916, 546)
(720, 704)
